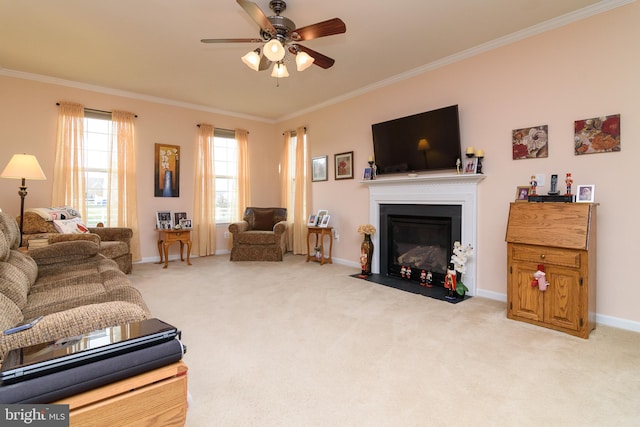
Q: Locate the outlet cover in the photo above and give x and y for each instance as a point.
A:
(540, 179)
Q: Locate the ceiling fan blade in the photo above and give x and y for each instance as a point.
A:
(231, 40)
(321, 29)
(258, 16)
(320, 59)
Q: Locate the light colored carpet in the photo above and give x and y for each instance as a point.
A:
(299, 344)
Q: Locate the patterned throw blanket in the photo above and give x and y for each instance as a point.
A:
(50, 214)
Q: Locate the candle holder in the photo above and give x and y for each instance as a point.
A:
(479, 169)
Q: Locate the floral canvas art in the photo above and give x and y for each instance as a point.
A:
(597, 135)
(530, 143)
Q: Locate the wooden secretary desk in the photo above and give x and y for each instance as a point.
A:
(562, 238)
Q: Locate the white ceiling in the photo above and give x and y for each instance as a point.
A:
(153, 48)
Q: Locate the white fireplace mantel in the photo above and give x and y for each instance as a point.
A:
(429, 189)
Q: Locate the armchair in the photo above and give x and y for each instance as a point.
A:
(260, 236)
(114, 242)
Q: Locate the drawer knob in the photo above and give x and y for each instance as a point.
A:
(542, 256)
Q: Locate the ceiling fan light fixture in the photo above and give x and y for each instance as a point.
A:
(303, 61)
(279, 70)
(252, 59)
(274, 50)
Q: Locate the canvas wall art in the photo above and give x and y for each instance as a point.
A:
(530, 143)
(167, 171)
(597, 135)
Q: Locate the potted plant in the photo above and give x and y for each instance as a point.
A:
(459, 259)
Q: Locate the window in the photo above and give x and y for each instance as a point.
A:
(226, 170)
(97, 137)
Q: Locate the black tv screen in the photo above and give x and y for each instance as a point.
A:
(399, 145)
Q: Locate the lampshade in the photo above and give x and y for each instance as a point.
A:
(252, 59)
(303, 61)
(279, 70)
(423, 145)
(23, 166)
(274, 50)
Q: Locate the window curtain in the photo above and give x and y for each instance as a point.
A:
(243, 179)
(297, 197)
(121, 191)
(204, 216)
(68, 176)
(286, 192)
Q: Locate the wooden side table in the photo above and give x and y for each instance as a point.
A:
(320, 232)
(167, 237)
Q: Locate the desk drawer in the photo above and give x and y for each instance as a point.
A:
(544, 255)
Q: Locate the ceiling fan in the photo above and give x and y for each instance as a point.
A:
(279, 35)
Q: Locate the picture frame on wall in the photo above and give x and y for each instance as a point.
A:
(167, 171)
(585, 193)
(163, 220)
(319, 169)
(522, 193)
(470, 165)
(343, 165)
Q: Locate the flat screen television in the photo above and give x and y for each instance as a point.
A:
(422, 142)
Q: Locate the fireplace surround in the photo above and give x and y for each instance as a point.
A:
(429, 189)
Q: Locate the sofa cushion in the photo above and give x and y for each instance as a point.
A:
(114, 249)
(9, 235)
(67, 252)
(11, 314)
(256, 237)
(26, 264)
(70, 226)
(14, 284)
(263, 219)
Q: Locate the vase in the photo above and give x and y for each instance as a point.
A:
(167, 191)
(366, 254)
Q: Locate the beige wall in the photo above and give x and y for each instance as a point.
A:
(586, 69)
(28, 115)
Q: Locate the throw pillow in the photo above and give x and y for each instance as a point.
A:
(70, 226)
(263, 220)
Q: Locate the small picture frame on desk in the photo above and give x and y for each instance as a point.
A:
(522, 193)
(470, 165)
(163, 220)
(367, 174)
(320, 215)
(325, 221)
(311, 222)
(586, 193)
(177, 216)
(185, 224)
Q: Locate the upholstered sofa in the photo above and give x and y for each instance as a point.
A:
(260, 236)
(70, 283)
(114, 242)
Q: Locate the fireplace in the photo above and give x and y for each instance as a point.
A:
(419, 236)
(447, 191)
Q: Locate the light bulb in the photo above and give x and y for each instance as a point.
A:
(274, 50)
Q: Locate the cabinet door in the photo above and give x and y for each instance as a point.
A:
(562, 298)
(526, 301)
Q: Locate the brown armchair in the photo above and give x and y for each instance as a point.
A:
(114, 242)
(261, 236)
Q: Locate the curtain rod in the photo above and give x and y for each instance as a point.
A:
(93, 110)
(223, 129)
(305, 129)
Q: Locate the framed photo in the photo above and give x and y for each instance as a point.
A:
(325, 221)
(522, 193)
(167, 171)
(177, 216)
(185, 223)
(311, 222)
(320, 215)
(319, 169)
(586, 193)
(597, 135)
(163, 220)
(470, 165)
(530, 143)
(344, 165)
(367, 174)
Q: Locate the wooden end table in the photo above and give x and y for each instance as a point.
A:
(167, 237)
(320, 232)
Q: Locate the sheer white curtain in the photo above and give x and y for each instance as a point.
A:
(122, 195)
(244, 179)
(68, 169)
(296, 189)
(204, 215)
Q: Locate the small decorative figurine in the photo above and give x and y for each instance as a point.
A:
(458, 164)
(409, 273)
(540, 278)
(450, 281)
(568, 180)
(423, 278)
(403, 271)
(534, 184)
(429, 280)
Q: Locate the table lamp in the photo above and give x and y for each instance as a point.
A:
(23, 166)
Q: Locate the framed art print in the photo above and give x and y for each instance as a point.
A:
(344, 165)
(319, 169)
(597, 135)
(167, 171)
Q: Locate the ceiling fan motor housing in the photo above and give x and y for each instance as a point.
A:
(283, 27)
